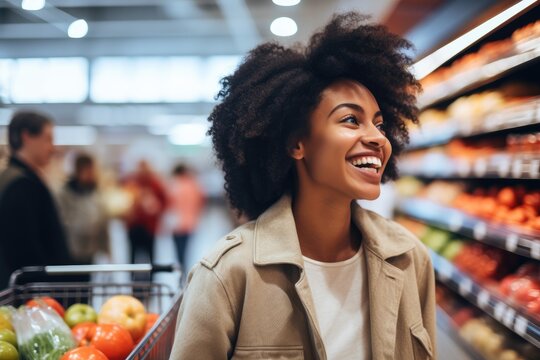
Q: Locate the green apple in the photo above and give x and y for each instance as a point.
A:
(5, 318)
(436, 239)
(453, 248)
(8, 336)
(79, 313)
(8, 351)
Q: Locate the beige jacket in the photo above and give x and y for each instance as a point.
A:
(250, 298)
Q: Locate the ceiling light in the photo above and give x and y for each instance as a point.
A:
(78, 29)
(431, 62)
(33, 5)
(286, 2)
(283, 26)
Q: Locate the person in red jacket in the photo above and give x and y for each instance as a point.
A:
(149, 203)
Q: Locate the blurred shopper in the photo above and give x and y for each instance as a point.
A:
(83, 212)
(186, 202)
(301, 134)
(149, 204)
(30, 229)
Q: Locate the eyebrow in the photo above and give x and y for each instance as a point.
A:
(355, 107)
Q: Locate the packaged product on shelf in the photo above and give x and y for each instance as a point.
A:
(523, 287)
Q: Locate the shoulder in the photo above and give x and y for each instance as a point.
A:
(233, 249)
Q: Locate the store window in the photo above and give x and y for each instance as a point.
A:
(184, 79)
(44, 80)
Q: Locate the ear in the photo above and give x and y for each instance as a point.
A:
(297, 151)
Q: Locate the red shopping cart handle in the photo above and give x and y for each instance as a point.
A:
(88, 269)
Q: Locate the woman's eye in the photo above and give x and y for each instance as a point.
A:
(381, 128)
(350, 120)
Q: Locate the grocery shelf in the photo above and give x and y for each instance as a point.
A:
(512, 117)
(522, 53)
(496, 166)
(486, 300)
(445, 323)
(460, 223)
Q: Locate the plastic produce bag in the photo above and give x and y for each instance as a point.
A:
(41, 333)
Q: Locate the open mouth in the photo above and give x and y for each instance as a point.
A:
(368, 163)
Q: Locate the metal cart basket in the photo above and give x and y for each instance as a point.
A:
(157, 298)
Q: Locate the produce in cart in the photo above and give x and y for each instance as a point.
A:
(111, 339)
(125, 311)
(41, 333)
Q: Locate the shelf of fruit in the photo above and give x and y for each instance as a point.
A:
(447, 218)
(488, 299)
(492, 61)
(480, 336)
(479, 114)
(445, 323)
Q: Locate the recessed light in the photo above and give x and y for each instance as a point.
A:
(283, 26)
(286, 2)
(78, 29)
(33, 5)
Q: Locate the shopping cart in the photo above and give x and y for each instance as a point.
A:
(157, 298)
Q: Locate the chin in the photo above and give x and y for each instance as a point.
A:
(368, 195)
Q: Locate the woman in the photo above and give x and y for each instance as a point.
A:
(301, 134)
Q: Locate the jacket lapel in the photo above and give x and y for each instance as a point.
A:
(385, 281)
(276, 242)
(385, 284)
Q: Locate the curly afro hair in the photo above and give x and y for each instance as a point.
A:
(267, 103)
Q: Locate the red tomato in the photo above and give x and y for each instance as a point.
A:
(49, 301)
(111, 339)
(81, 333)
(84, 353)
(151, 319)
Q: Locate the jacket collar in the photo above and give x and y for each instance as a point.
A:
(276, 239)
(24, 167)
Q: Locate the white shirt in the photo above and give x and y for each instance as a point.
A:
(340, 295)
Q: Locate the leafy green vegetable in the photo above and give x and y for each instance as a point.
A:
(49, 345)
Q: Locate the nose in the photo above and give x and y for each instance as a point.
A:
(374, 138)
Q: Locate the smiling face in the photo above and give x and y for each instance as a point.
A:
(346, 151)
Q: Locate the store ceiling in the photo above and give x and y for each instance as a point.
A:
(196, 27)
(161, 27)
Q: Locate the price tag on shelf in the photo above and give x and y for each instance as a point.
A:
(455, 222)
(517, 168)
(500, 309)
(534, 169)
(520, 326)
(480, 167)
(504, 169)
(480, 230)
(465, 286)
(483, 299)
(444, 270)
(508, 317)
(535, 249)
(511, 242)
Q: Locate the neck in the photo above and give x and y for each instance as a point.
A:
(323, 224)
(27, 159)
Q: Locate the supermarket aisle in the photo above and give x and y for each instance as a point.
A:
(215, 222)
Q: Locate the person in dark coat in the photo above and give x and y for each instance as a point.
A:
(31, 232)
